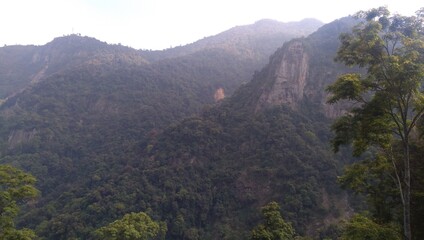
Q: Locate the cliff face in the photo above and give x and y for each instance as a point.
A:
(288, 73)
(300, 71)
(287, 76)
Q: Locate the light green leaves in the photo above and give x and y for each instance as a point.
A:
(388, 102)
(360, 227)
(133, 226)
(347, 87)
(274, 227)
(15, 187)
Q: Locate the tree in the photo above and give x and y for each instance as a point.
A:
(372, 178)
(133, 226)
(274, 227)
(16, 187)
(360, 227)
(388, 99)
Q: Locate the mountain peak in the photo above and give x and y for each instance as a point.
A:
(303, 21)
(267, 21)
(75, 43)
(266, 35)
(74, 36)
(311, 20)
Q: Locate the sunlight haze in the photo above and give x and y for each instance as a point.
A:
(160, 24)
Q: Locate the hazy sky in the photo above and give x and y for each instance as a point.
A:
(159, 24)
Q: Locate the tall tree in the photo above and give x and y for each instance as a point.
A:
(16, 186)
(388, 100)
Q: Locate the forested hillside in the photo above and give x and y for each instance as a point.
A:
(263, 144)
(108, 130)
(83, 111)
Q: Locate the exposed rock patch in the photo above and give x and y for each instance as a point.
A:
(219, 94)
(17, 137)
(288, 73)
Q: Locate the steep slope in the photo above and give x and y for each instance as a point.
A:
(16, 67)
(302, 68)
(231, 163)
(269, 141)
(80, 121)
(240, 50)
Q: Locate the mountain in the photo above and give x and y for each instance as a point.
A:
(269, 141)
(299, 72)
(106, 131)
(22, 66)
(245, 48)
(93, 81)
(258, 40)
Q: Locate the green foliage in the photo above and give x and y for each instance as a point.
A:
(360, 227)
(365, 126)
(274, 226)
(348, 86)
(15, 188)
(417, 166)
(198, 171)
(388, 100)
(374, 179)
(133, 226)
(392, 82)
(105, 138)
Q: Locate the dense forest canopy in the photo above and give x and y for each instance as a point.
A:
(133, 144)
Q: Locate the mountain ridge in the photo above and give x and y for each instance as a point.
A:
(265, 28)
(73, 50)
(110, 138)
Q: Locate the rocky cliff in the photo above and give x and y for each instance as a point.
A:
(299, 72)
(288, 73)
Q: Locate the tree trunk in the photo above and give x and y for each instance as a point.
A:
(407, 196)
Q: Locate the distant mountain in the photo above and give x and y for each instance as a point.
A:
(240, 50)
(258, 40)
(22, 66)
(230, 58)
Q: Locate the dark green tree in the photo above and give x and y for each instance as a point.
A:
(133, 226)
(16, 187)
(273, 227)
(387, 101)
(372, 178)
